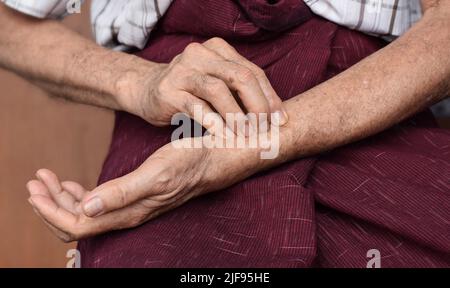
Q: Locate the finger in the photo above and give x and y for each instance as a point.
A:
(60, 234)
(127, 217)
(69, 227)
(227, 51)
(124, 191)
(75, 189)
(36, 187)
(61, 197)
(216, 92)
(56, 216)
(242, 80)
(237, 77)
(199, 110)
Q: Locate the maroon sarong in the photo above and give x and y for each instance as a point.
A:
(390, 192)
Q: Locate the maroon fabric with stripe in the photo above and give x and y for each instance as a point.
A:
(390, 192)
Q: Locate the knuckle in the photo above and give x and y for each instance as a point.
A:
(195, 106)
(192, 49)
(121, 195)
(214, 91)
(175, 60)
(261, 105)
(202, 84)
(217, 41)
(213, 86)
(244, 75)
(188, 106)
(259, 72)
(179, 69)
(201, 81)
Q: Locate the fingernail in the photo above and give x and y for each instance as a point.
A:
(281, 118)
(93, 207)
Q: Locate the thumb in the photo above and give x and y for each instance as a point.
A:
(116, 194)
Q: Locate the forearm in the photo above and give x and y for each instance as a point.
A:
(65, 64)
(380, 91)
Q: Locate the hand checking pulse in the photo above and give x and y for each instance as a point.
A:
(211, 75)
(208, 75)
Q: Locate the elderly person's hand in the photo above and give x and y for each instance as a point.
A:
(166, 180)
(212, 76)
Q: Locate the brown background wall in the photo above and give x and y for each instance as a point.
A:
(37, 132)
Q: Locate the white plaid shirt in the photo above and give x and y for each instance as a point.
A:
(128, 23)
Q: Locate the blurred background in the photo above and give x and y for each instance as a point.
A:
(37, 131)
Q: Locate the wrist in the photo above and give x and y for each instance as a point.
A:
(134, 85)
(276, 147)
(239, 163)
(291, 141)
